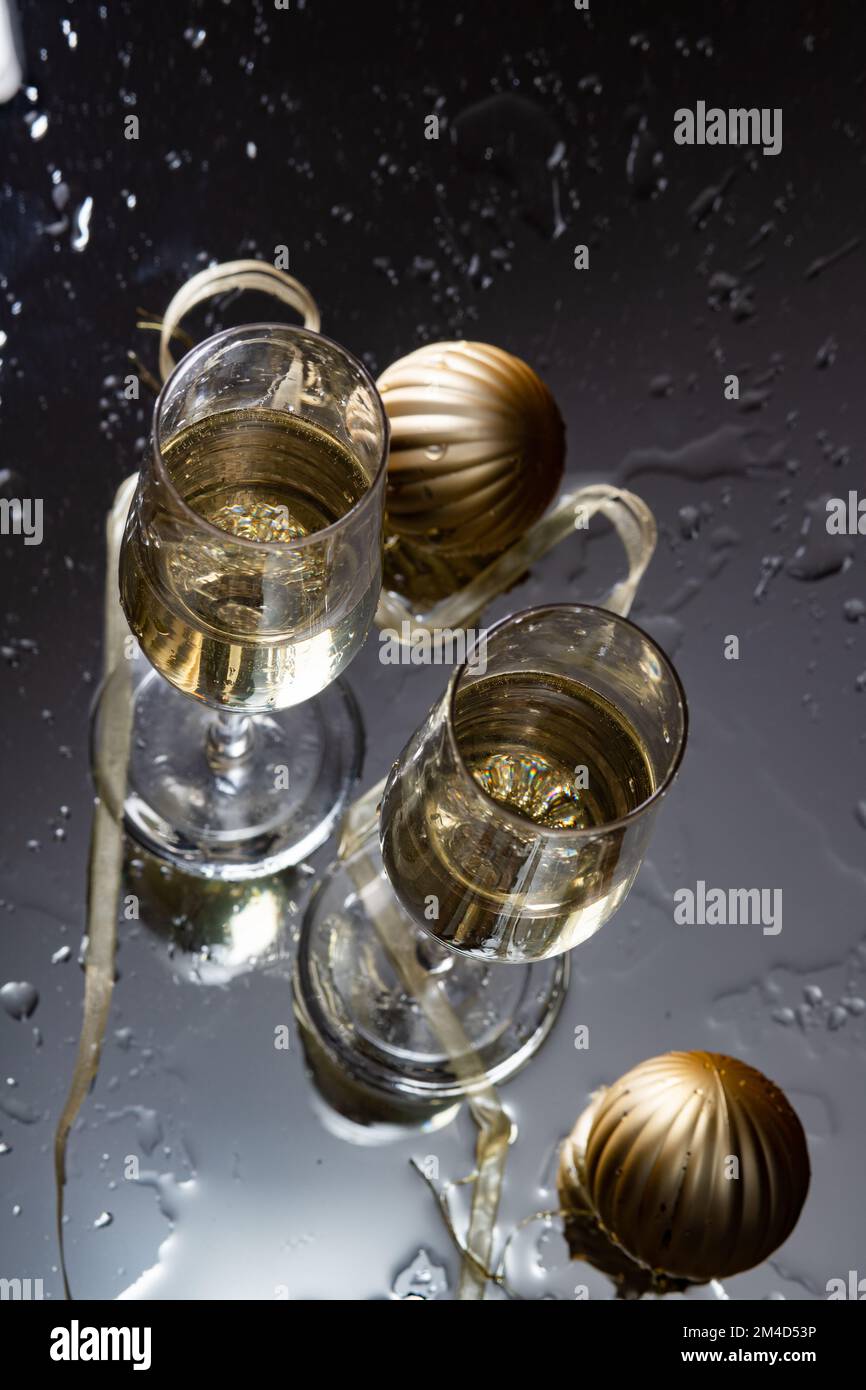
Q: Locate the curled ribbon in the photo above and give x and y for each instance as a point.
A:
(233, 275)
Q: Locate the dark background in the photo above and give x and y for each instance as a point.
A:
(403, 240)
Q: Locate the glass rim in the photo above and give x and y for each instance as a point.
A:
(226, 537)
(578, 832)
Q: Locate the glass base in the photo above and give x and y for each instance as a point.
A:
(245, 809)
(373, 991)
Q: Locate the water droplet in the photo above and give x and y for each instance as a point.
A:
(81, 236)
(709, 200)
(690, 521)
(19, 998)
(819, 553)
(18, 1109)
(644, 162)
(661, 386)
(421, 1279)
(826, 354)
(516, 139)
(822, 263)
(104, 1219)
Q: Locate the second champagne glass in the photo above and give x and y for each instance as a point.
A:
(511, 829)
(250, 571)
(518, 814)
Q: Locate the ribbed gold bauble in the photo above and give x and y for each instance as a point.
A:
(693, 1163)
(477, 447)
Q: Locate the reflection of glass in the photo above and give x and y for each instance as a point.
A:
(511, 828)
(369, 990)
(348, 1100)
(517, 816)
(250, 571)
(208, 932)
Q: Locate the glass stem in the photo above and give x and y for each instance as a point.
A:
(229, 740)
(435, 959)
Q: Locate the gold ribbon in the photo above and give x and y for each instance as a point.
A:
(106, 859)
(494, 1126)
(233, 275)
(630, 516)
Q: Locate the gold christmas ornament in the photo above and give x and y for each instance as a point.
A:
(692, 1164)
(477, 447)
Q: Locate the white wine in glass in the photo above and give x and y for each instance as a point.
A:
(250, 570)
(234, 625)
(523, 804)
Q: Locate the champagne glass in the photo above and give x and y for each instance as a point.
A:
(517, 816)
(511, 829)
(250, 570)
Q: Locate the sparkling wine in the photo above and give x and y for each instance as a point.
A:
(551, 750)
(249, 615)
(553, 755)
(264, 475)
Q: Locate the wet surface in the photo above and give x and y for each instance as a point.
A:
(200, 1166)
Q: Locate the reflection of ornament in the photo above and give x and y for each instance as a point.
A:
(693, 1164)
(477, 447)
